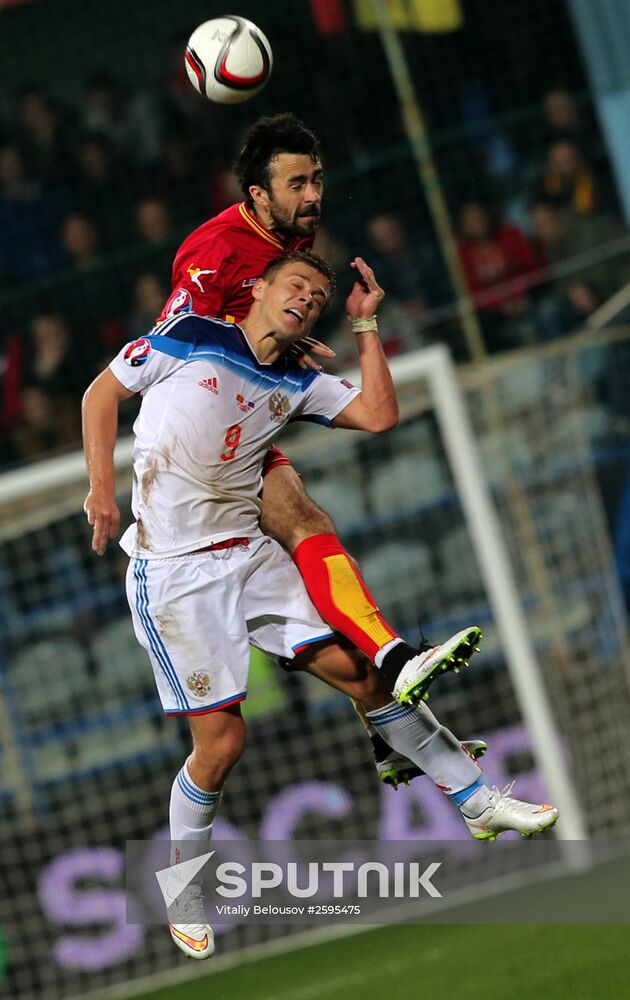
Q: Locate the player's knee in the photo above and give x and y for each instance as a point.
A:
(368, 687)
(312, 521)
(288, 513)
(215, 762)
(217, 749)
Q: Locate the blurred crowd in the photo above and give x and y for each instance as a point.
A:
(539, 234)
(95, 198)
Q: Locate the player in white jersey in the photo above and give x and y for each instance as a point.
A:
(197, 468)
(203, 581)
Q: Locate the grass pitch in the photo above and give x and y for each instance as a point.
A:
(457, 962)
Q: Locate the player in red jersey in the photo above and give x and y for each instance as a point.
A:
(281, 175)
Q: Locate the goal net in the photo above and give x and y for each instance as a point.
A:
(506, 530)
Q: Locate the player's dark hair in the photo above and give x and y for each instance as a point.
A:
(266, 139)
(308, 257)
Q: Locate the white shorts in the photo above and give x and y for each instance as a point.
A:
(196, 615)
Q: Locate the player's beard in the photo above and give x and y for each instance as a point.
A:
(301, 225)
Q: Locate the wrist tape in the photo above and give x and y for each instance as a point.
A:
(363, 324)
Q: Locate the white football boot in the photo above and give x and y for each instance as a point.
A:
(188, 924)
(419, 673)
(505, 813)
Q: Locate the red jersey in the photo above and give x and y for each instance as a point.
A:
(216, 266)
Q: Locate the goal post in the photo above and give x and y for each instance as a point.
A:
(436, 365)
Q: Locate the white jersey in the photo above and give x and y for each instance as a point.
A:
(210, 411)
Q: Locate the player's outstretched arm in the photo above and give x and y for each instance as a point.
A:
(100, 427)
(376, 408)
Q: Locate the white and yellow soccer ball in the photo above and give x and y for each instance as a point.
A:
(228, 59)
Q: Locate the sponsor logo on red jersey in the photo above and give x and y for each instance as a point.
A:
(137, 353)
(196, 274)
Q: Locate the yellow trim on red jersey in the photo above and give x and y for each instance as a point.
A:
(266, 235)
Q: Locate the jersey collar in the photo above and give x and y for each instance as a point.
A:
(254, 356)
(253, 222)
(281, 364)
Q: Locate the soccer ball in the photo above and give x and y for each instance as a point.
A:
(228, 59)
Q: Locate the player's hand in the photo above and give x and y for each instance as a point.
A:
(366, 295)
(103, 516)
(300, 351)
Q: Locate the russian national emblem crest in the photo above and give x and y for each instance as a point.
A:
(279, 406)
(199, 683)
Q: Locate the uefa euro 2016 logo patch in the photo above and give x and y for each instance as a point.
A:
(137, 353)
(179, 302)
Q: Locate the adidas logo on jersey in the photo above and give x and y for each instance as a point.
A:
(212, 384)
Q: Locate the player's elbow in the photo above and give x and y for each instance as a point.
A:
(374, 418)
(382, 426)
(385, 420)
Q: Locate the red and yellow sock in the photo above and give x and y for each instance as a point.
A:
(339, 593)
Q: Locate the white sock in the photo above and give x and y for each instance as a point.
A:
(191, 814)
(384, 650)
(416, 733)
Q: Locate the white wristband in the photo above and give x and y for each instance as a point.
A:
(363, 324)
